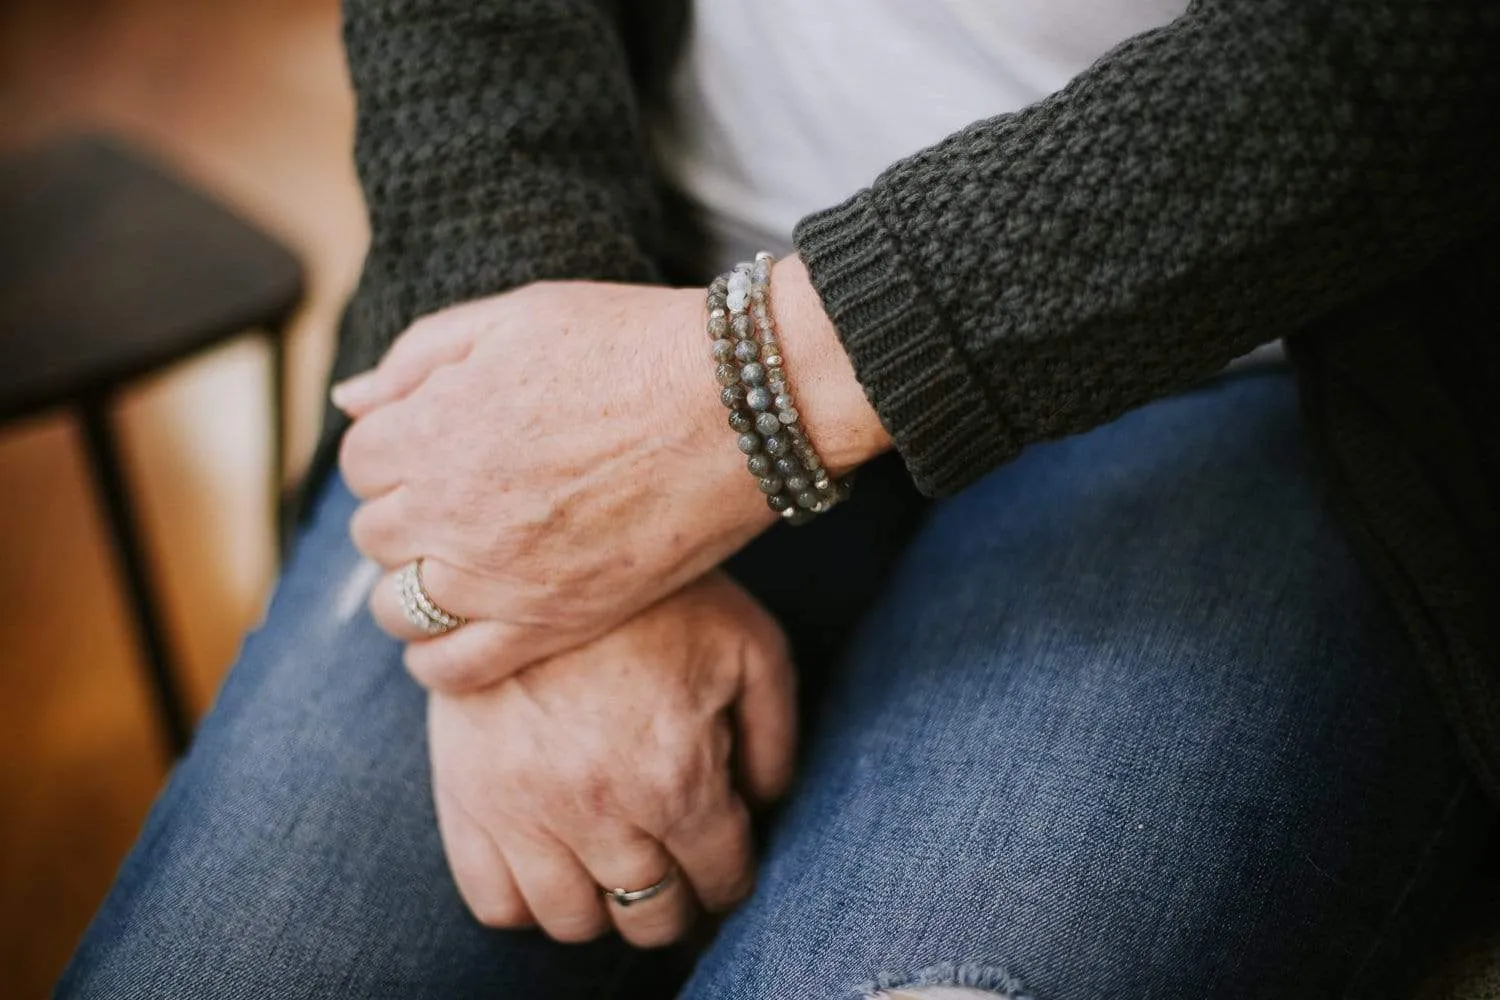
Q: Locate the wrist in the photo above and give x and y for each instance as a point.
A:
(840, 421)
(701, 419)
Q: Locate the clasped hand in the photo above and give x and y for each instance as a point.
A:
(558, 459)
(628, 759)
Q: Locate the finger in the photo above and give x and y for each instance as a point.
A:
(479, 868)
(560, 894)
(627, 858)
(479, 654)
(371, 453)
(449, 589)
(717, 854)
(425, 347)
(766, 728)
(382, 529)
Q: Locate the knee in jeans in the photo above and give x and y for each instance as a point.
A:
(949, 981)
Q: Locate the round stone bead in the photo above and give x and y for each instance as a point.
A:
(777, 445)
(790, 415)
(719, 286)
(740, 325)
(767, 423)
(723, 350)
(759, 464)
(732, 395)
(727, 374)
(774, 360)
(748, 443)
(738, 280)
(745, 351)
(769, 484)
(742, 422)
(736, 300)
(718, 323)
(797, 518)
(758, 398)
(760, 271)
(779, 502)
(776, 381)
(789, 466)
(784, 401)
(757, 294)
(753, 374)
(798, 483)
(761, 312)
(807, 499)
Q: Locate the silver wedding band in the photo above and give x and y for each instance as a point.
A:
(419, 607)
(625, 897)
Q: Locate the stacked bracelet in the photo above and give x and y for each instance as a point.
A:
(753, 386)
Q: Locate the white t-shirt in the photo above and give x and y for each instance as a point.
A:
(784, 107)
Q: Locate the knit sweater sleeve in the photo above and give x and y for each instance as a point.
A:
(498, 142)
(1203, 188)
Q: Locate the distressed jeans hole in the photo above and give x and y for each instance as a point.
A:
(941, 993)
(949, 981)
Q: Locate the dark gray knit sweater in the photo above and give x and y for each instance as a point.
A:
(1323, 170)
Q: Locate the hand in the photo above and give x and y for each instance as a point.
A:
(559, 457)
(611, 766)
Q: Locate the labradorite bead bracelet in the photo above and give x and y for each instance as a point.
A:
(751, 374)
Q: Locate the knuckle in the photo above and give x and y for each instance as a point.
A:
(657, 934)
(736, 890)
(501, 914)
(359, 530)
(680, 780)
(430, 666)
(591, 780)
(351, 449)
(363, 534)
(420, 329)
(576, 928)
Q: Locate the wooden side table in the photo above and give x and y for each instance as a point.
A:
(111, 269)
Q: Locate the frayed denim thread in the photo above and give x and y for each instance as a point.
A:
(974, 975)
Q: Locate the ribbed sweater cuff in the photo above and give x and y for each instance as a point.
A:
(930, 402)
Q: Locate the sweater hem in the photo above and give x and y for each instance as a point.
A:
(935, 410)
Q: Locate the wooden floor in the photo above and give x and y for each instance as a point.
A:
(249, 98)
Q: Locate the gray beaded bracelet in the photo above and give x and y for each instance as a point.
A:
(753, 386)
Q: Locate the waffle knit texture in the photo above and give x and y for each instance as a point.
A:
(1322, 170)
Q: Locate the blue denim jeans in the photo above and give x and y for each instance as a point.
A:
(1125, 719)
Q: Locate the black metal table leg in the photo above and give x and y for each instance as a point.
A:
(276, 340)
(124, 529)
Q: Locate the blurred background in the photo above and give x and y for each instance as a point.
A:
(246, 101)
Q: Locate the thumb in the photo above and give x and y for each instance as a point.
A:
(766, 720)
(426, 346)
